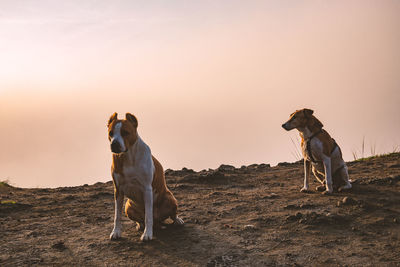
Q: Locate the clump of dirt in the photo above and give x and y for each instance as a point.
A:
(248, 216)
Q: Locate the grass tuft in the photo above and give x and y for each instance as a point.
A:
(5, 183)
(360, 154)
(386, 155)
(5, 202)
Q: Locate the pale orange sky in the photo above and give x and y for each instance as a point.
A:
(211, 82)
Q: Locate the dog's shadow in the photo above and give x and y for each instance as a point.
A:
(177, 245)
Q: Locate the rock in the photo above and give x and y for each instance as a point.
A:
(298, 215)
(272, 195)
(212, 176)
(290, 206)
(252, 166)
(168, 171)
(184, 169)
(264, 166)
(348, 201)
(59, 246)
(394, 166)
(215, 194)
(250, 227)
(306, 206)
(33, 234)
(225, 167)
(291, 218)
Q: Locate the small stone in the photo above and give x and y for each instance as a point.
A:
(348, 201)
(59, 245)
(249, 227)
(273, 195)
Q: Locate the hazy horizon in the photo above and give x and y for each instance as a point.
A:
(210, 82)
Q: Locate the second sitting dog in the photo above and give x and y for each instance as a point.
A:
(320, 151)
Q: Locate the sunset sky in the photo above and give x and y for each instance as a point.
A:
(210, 82)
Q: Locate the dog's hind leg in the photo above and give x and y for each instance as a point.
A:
(328, 175)
(168, 209)
(344, 173)
(135, 214)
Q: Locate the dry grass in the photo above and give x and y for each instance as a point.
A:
(360, 156)
(5, 183)
(296, 152)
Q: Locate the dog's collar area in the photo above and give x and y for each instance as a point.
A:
(314, 135)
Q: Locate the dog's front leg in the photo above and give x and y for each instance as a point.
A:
(119, 199)
(328, 175)
(148, 214)
(307, 166)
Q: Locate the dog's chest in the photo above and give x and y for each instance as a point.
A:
(132, 181)
(131, 172)
(312, 149)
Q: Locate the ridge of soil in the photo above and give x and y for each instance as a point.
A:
(248, 216)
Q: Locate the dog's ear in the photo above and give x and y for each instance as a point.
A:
(132, 119)
(112, 118)
(308, 112)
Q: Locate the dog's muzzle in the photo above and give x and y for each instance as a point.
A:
(284, 126)
(116, 147)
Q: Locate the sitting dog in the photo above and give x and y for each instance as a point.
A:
(140, 177)
(320, 151)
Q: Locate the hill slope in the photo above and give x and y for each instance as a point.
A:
(253, 215)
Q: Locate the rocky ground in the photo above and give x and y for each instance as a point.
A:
(248, 216)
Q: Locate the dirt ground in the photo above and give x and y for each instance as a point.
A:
(248, 216)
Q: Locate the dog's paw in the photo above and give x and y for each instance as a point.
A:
(178, 221)
(327, 192)
(115, 234)
(139, 227)
(147, 235)
(304, 190)
(346, 187)
(320, 188)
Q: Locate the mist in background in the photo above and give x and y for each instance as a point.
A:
(210, 82)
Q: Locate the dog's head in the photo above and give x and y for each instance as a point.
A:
(299, 119)
(122, 134)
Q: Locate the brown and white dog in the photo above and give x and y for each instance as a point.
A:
(320, 151)
(140, 177)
